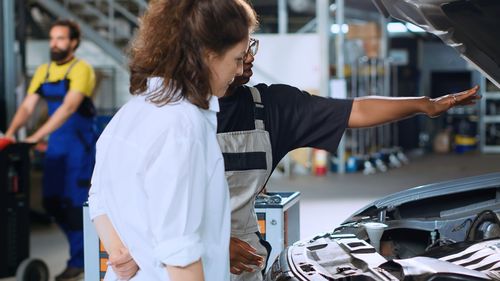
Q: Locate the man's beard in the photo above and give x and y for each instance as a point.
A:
(58, 55)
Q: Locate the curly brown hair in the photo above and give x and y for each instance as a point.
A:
(172, 38)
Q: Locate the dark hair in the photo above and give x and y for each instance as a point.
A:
(74, 29)
(172, 38)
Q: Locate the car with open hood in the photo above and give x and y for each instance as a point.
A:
(442, 231)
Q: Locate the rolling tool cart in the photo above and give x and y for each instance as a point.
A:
(14, 215)
(95, 256)
(277, 213)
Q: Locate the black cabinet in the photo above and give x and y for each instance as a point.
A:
(14, 207)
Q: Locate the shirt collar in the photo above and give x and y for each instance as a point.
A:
(213, 104)
(154, 83)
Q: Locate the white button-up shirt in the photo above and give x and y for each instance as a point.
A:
(159, 177)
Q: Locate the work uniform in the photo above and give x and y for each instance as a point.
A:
(257, 127)
(159, 177)
(70, 154)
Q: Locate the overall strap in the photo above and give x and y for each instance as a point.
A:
(259, 109)
(65, 75)
(47, 73)
(70, 68)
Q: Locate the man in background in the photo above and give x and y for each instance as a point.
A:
(66, 83)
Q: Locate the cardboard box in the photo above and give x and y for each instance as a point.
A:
(363, 31)
(371, 47)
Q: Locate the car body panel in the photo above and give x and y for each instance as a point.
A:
(468, 26)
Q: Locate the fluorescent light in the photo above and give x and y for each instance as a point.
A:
(414, 28)
(335, 28)
(396, 27)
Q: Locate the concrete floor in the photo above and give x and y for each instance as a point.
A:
(325, 201)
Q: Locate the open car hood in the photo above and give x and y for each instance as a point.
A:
(429, 200)
(472, 27)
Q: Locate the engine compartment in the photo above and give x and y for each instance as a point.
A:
(452, 236)
(334, 256)
(418, 226)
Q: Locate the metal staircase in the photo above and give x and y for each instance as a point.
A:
(110, 24)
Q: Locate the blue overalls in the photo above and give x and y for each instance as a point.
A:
(68, 164)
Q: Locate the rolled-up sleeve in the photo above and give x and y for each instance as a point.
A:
(96, 206)
(175, 185)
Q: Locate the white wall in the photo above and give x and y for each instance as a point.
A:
(287, 59)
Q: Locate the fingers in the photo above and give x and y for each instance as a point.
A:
(468, 97)
(123, 264)
(120, 257)
(30, 140)
(239, 268)
(471, 90)
(242, 252)
(235, 270)
(466, 94)
(243, 257)
(10, 138)
(126, 271)
(242, 244)
(251, 258)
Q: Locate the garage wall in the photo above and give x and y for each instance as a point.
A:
(436, 56)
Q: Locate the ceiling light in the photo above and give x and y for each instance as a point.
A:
(396, 27)
(335, 28)
(414, 28)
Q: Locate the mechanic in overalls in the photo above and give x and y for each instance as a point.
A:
(67, 85)
(257, 126)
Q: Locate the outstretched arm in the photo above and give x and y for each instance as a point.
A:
(376, 110)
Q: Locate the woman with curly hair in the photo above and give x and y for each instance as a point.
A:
(158, 187)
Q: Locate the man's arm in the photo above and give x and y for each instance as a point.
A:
(71, 102)
(22, 114)
(372, 111)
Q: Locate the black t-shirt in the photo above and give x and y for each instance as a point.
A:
(292, 117)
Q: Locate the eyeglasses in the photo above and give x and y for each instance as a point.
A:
(253, 47)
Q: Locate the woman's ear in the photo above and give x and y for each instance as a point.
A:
(209, 56)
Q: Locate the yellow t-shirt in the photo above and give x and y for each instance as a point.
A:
(81, 76)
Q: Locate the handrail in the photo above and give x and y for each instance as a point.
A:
(59, 10)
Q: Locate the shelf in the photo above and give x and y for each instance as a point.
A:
(491, 119)
(462, 111)
(491, 95)
(491, 149)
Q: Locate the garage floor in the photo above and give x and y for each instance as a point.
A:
(325, 201)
